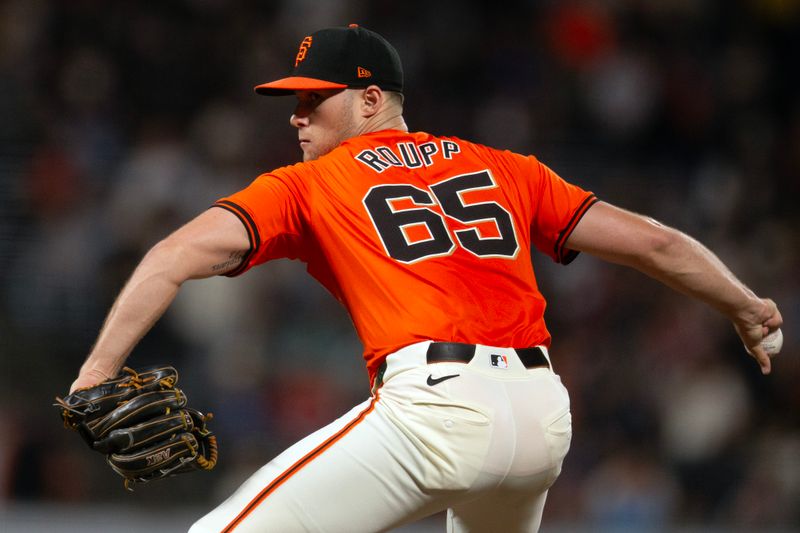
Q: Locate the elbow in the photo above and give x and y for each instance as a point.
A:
(165, 251)
(165, 259)
(663, 238)
(663, 245)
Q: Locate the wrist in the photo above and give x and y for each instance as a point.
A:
(753, 313)
(97, 370)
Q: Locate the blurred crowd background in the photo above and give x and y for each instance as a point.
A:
(119, 121)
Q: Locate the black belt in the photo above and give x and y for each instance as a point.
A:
(441, 352)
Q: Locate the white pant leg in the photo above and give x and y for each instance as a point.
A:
(531, 434)
(486, 436)
(494, 436)
(355, 475)
(498, 511)
(514, 502)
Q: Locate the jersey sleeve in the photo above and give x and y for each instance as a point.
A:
(272, 211)
(558, 206)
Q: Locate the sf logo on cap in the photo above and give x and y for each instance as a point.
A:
(301, 53)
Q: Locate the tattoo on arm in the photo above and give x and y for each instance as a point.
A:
(233, 260)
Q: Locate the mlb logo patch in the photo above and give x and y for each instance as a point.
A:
(499, 361)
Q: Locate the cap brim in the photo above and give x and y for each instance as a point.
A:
(291, 84)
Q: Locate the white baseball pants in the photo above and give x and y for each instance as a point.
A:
(485, 443)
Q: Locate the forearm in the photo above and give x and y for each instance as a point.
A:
(665, 254)
(211, 244)
(681, 263)
(144, 299)
(684, 264)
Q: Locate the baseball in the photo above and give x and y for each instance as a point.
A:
(773, 342)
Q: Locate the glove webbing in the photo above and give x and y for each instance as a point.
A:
(137, 381)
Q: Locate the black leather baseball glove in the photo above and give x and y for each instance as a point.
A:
(140, 422)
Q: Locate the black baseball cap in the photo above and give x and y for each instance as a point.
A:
(337, 58)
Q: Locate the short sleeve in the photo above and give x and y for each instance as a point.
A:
(272, 210)
(558, 206)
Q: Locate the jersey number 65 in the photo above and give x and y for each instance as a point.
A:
(394, 226)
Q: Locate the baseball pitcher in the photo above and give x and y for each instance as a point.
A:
(426, 241)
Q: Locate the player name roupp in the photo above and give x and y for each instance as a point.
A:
(408, 154)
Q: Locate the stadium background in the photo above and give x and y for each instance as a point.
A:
(121, 120)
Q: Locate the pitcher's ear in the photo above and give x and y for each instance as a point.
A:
(372, 99)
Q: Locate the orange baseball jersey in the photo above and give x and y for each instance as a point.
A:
(420, 237)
